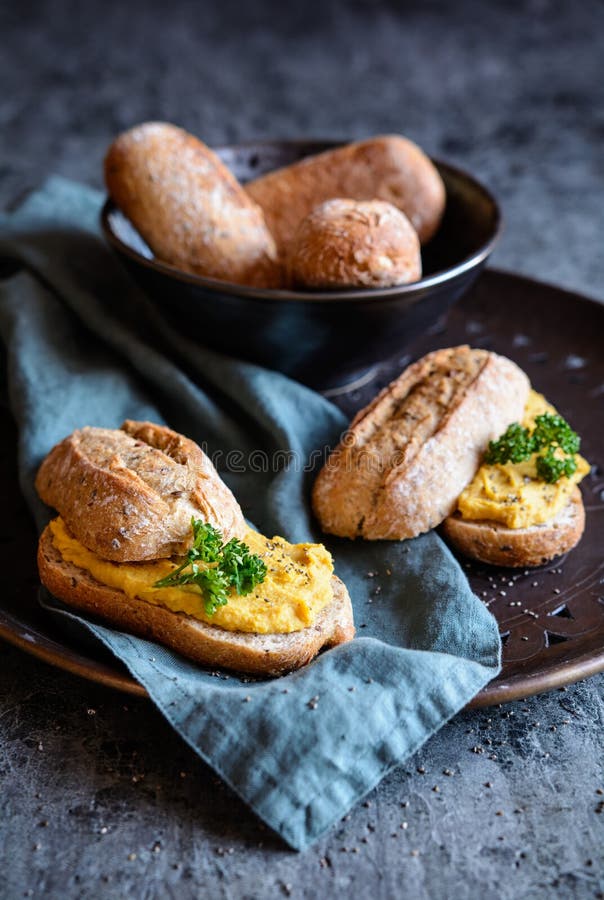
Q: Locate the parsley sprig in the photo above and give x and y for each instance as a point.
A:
(227, 566)
(552, 434)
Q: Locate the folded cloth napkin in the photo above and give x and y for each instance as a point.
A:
(84, 347)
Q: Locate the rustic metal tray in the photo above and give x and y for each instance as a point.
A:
(551, 619)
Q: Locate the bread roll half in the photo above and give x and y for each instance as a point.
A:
(263, 654)
(409, 454)
(130, 494)
(494, 543)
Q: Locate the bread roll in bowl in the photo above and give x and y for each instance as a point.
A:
(351, 243)
(388, 167)
(188, 207)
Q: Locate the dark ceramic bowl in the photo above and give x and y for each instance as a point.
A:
(326, 338)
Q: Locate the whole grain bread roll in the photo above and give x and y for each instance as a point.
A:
(267, 654)
(189, 207)
(129, 494)
(389, 168)
(408, 455)
(355, 243)
(494, 543)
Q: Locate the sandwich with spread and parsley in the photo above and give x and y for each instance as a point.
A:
(436, 447)
(151, 540)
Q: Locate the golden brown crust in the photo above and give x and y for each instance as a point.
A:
(494, 543)
(353, 243)
(408, 455)
(189, 208)
(271, 654)
(389, 168)
(129, 494)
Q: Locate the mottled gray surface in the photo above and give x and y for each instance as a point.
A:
(98, 797)
(101, 799)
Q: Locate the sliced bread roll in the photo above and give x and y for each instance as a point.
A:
(129, 495)
(267, 654)
(494, 543)
(409, 454)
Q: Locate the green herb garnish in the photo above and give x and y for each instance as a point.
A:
(227, 566)
(515, 446)
(551, 433)
(551, 467)
(554, 431)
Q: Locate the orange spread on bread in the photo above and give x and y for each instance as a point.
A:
(512, 493)
(296, 588)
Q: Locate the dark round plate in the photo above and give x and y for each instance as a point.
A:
(551, 619)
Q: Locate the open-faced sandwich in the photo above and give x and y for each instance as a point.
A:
(436, 447)
(150, 539)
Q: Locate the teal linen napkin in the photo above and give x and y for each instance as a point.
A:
(84, 347)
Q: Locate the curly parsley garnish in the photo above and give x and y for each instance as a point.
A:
(514, 446)
(551, 467)
(552, 434)
(554, 431)
(228, 566)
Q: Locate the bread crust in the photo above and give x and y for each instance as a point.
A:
(189, 207)
(353, 243)
(494, 543)
(271, 654)
(388, 167)
(408, 455)
(129, 494)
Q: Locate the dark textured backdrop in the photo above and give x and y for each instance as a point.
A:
(98, 797)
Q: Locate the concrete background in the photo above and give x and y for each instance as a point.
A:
(98, 798)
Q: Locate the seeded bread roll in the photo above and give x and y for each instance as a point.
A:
(129, 495)
(268, 654)
(355, 243)
(409, 454)
(189, 208)
(494, 543)
(389, 168)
